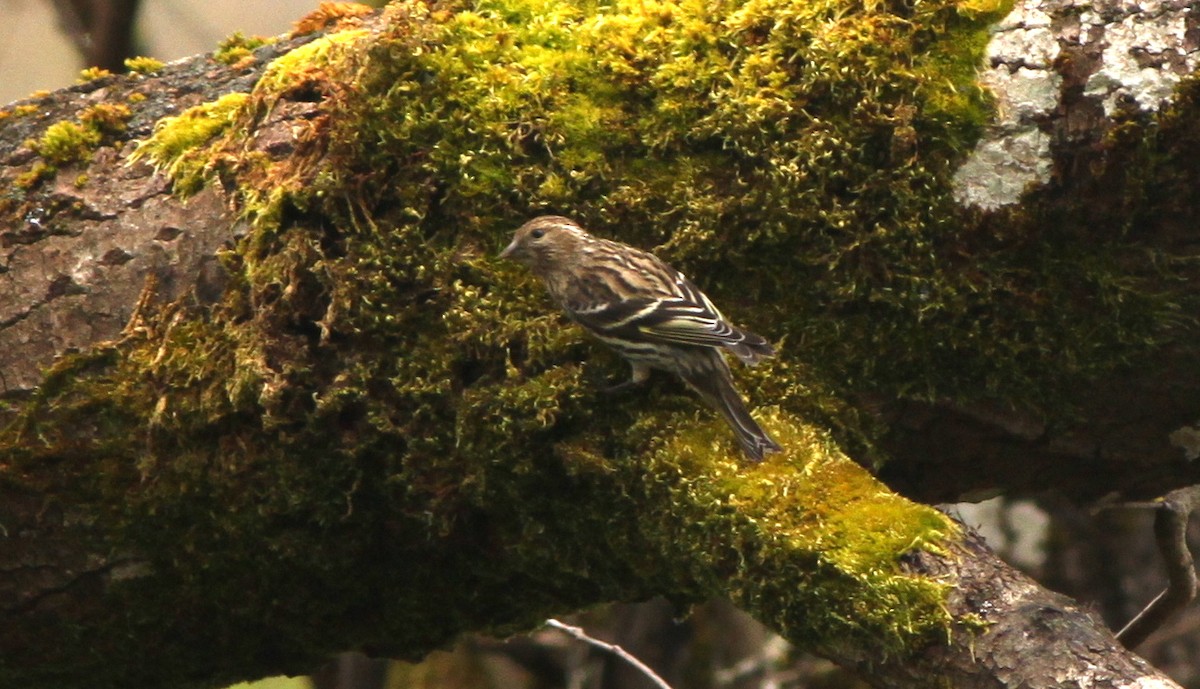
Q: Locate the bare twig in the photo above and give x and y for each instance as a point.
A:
(1170, 532)
(769, 656)
(621, 653)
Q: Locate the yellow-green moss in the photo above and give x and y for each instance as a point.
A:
(953, 58)
(18, 111)
(36, 174)
(69, 142)
(812, 511)
(238, 47)
(178, 143)
(65, 142)
(189, 149)
(92, 74)
(107, 119)
(143, 65)
(372, 361)
(305, 64)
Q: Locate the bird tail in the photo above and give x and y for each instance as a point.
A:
(714, 383)
(750, 348)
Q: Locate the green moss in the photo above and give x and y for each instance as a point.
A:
(794, 157)
(203, 142)
(305, 64)
(35, 175)
(818, 523)
(143, 65)
(178, 145)
(238, 47)
(106, 119)
(92, 74)
(375, 386)
(67, 142)
(954, 58)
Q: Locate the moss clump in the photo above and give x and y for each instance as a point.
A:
(238, 47)
(35, 175)
(203, 142)
(143, 65)
(177, 145)
(67, 142)
(92, 74)
(70, 142)
(953, 57)
(306, 65)
(820, 540)
(329, 14)
(18, 111)
(107, 119)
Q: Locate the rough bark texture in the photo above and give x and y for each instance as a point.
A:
(77, 257)
(85, 263)
(1033, 638)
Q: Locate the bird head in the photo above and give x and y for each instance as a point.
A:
(545, 241)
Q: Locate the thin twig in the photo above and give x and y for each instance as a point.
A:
(621, 653)
(1170, 532)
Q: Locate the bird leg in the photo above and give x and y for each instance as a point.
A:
(640, 373)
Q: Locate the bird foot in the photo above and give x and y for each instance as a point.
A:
(620, 387)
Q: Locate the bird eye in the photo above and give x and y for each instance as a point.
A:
(537, 234)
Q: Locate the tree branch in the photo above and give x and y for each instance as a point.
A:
(341, 424)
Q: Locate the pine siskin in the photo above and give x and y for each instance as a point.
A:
(647, 311)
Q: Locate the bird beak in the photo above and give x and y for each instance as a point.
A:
(509, 250)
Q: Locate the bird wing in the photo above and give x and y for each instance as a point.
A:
(689, 318)
(683, 322)
(648, 301)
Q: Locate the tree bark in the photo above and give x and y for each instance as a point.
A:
(194, 473)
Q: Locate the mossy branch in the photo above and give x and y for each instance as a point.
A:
(379, 436)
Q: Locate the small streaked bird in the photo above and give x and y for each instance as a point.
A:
(647, 311)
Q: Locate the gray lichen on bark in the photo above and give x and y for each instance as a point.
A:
(1057, 70)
